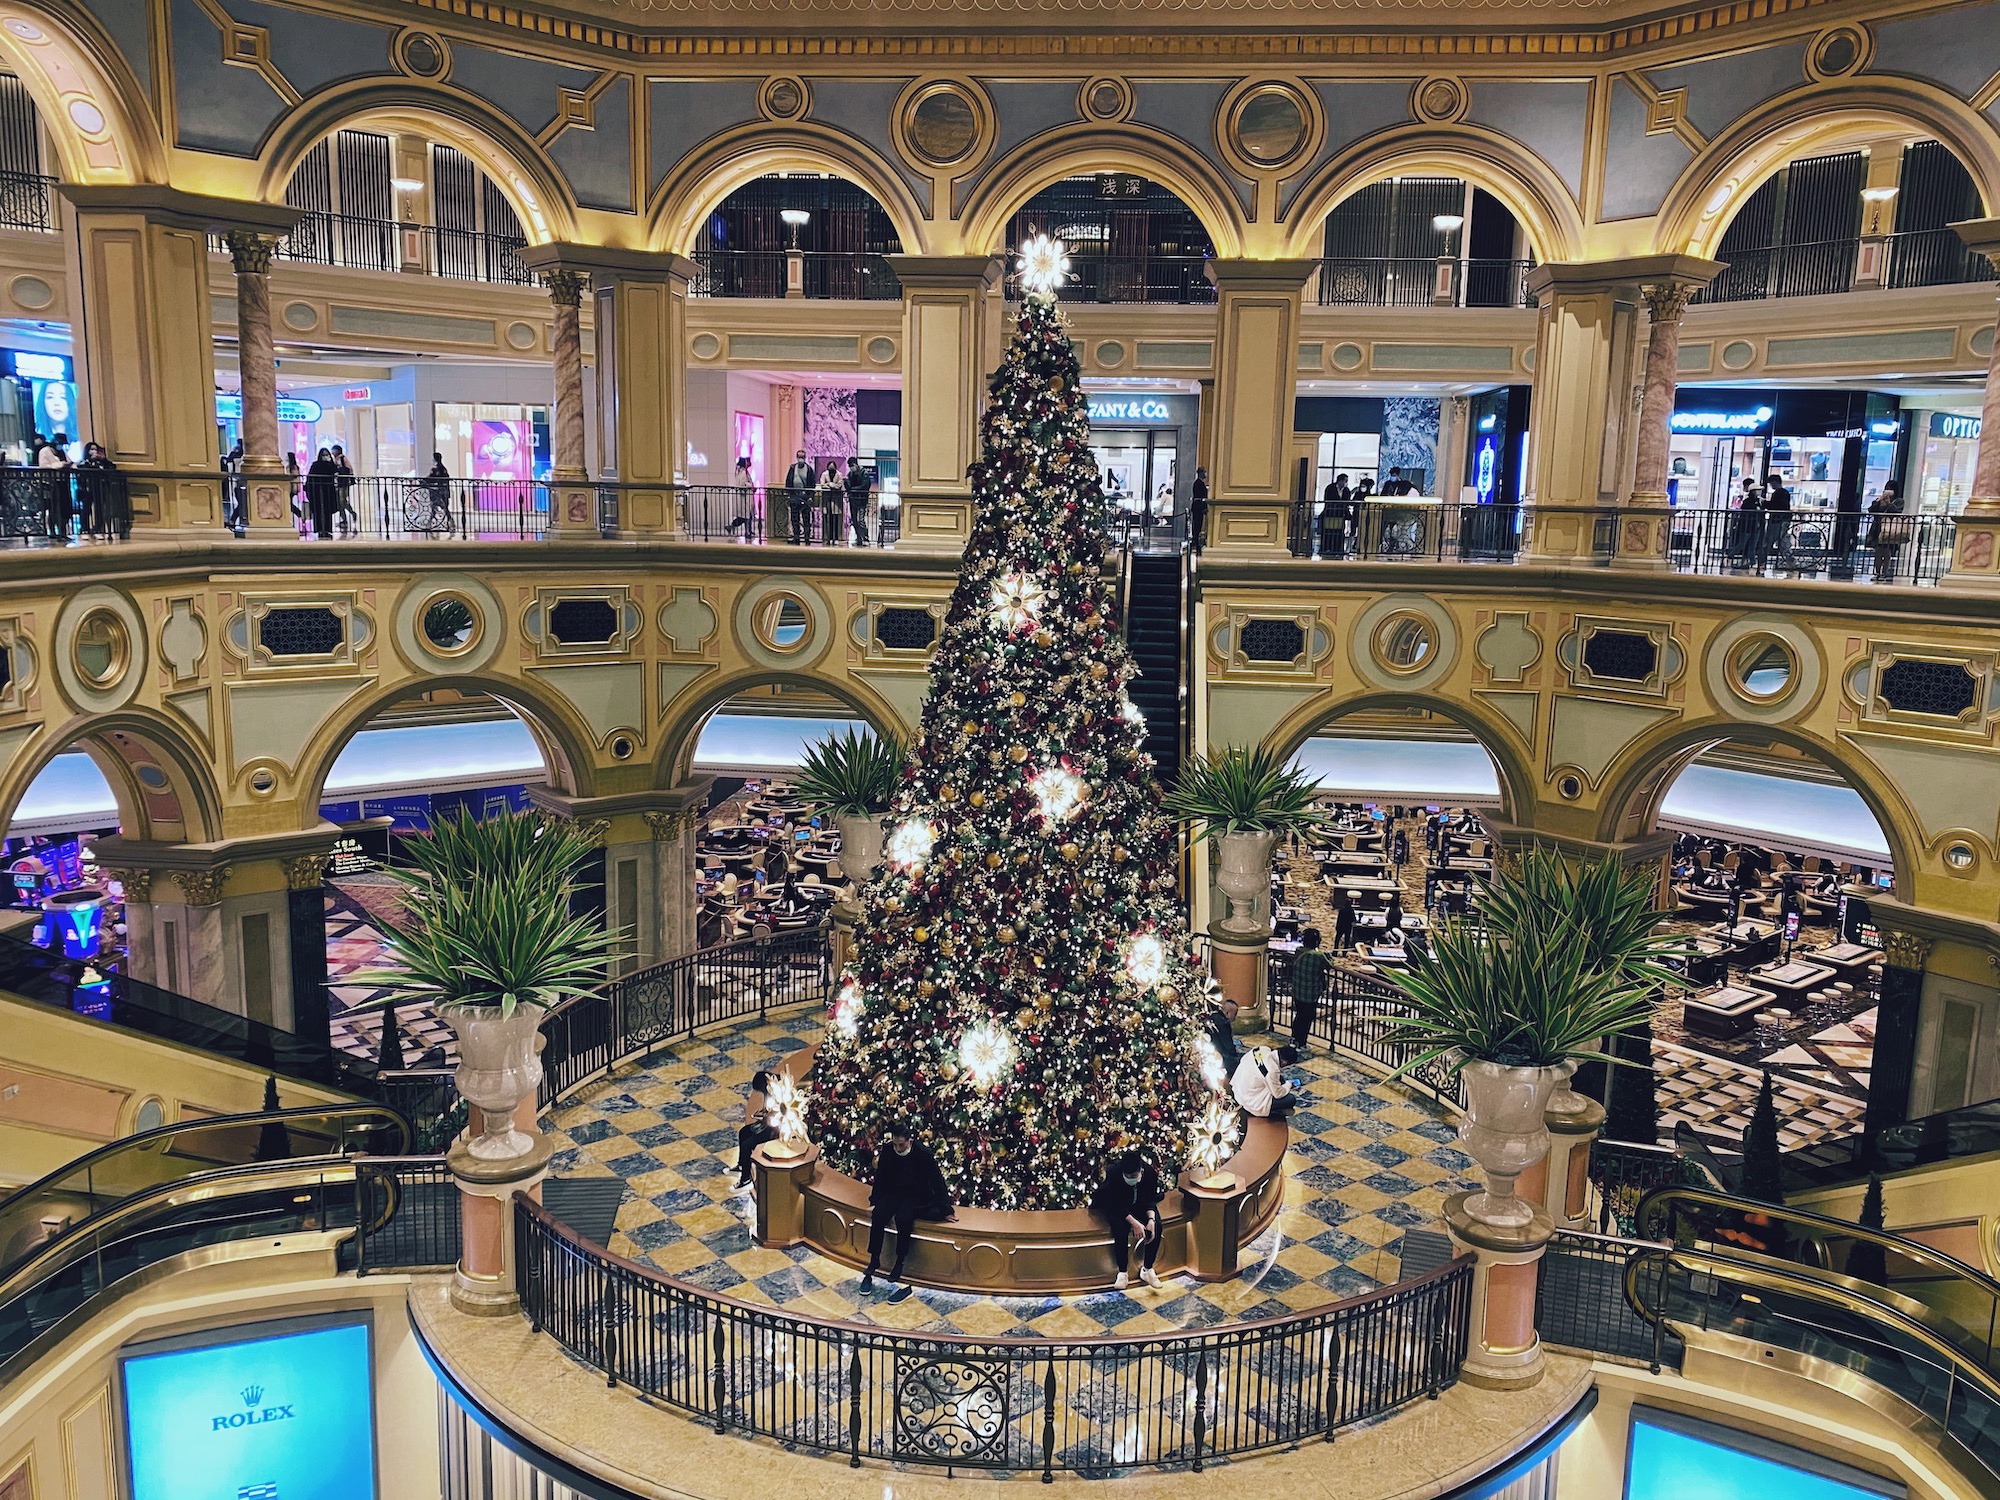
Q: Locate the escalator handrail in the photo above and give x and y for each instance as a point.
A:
(51, 1182)
(215, 1186)
(1830, 1288)
(1647, 1226)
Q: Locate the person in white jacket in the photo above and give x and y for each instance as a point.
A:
(1260, 1085)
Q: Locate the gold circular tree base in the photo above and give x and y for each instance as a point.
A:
(993, 1252)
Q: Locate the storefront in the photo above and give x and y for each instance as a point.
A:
(37, 395)
(1496, 449)
(1950, 447)
(1833, 449)
(1139, 439)
(1364, 437)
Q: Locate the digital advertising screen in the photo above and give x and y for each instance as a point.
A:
(1671, 1456)
(263, 1411)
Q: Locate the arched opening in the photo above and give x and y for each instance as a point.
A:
(763, 859)
(809, 234)
(123, 777)
(99, 128)
(1774, 856)
(352, 188)
(1424, 240)
(1877, 213)
(27, 186)
(402, 763)
(1129, 239)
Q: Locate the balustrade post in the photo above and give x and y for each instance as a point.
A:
(1975, 555)
(1049, 1422)
(1200, 1404)
(1506, 1351)
(719, 1345)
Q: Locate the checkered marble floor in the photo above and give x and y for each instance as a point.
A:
(1368, 1162)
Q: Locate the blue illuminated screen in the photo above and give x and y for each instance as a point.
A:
(1672, 1457)
(280, 1411)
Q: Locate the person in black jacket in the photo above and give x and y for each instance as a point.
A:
(322, 493)
(907, 1186)
(1128, 1200)
(1198, 512)
(857, 484)
(757, 1127)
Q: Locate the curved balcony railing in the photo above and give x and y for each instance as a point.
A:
(1022, 1405)
(1915, 257)
(1412, 281)
(823, 275)
(359, 243)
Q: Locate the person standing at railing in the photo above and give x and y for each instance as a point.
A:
(1774, 523)
(1198, 511)
(53, 461)
(1746, 526)
(1311, 969)
(343, 492)
(858, 484)
(1884, 533)
(1336, 508)
(907, 1187)
(832, 499)
(1128, 1200)
(234, 516)
(292, 482)
(322, 493)
(100, 492)
(799, 483)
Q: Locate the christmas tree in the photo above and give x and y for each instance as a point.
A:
(1022, 988)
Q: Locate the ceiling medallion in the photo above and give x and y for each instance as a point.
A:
(783, 98)
(1838, 52)
(943, 123)
(421, 54)
(1105, 98)
(1270, 124)
(1439, 100)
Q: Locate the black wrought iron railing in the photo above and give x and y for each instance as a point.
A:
(1933, 257)
(819, 517)
(1020, 1405)
(1754, 272)
(1412, 281)
(838, 275)
(1356, 1015)
(1163, 279)
(406, 1214)
(1399, 529)
(1580, 1301)
(27, 201)
(360, 243)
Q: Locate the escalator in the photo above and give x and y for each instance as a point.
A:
(1156, 633)
(129, 1205)
(1745, 1278)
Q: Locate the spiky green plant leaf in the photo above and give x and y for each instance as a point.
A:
(852, 774)
(1246, 791)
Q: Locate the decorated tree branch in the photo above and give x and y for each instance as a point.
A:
(1022, 988)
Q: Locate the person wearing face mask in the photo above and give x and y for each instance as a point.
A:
(907, 1186)
(1128, 1200)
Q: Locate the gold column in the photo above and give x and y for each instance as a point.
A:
(946, 311)
(1975, 556)
(1256, 385)
(572, 497)
(145, 357)
(639, 314)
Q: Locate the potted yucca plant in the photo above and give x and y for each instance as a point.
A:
(1245, 800)
(487, 938)
(851, 777)
(1513, 1002)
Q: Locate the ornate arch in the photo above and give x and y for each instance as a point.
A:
(564, 740)
(682, 731)
(518, 166)
(89, 99)
(1517, 779)
(1703, 200)
(1512, 173)
(1638, 780)
(1080, 149)
(678, 208)
(159, 775)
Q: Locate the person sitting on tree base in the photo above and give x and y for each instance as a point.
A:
(908, 1187)
(1128, 1200)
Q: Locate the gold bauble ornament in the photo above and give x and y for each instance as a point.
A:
(994, 861)
(1007, 934)
(1017, 700)
(947, 794)
(977, 799)
(920, 933)
(1043, 638)
(1070, 852)
(1017, 753)
(1097, 671)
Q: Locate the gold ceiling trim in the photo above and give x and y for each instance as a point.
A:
(1571, 41)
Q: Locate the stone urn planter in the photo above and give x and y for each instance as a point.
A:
(1503, 1132)
(497, 1069)
(860, 846)
(1243, 874)
(1565, 1102)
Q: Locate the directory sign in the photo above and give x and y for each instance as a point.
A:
(265, 1411)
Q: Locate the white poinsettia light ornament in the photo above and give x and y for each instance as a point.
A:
(786, 1110)
(847, 1009)
(1146, 960)
(910, 844)
(1212, 1142)
(1044, 266)
(1058, 793)
(986, 1053)
(1017, 603)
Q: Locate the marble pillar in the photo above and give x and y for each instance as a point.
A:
(1505, 1352)
(268, 503)
(572, 497)
(1975, 558)
(1644, 529)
